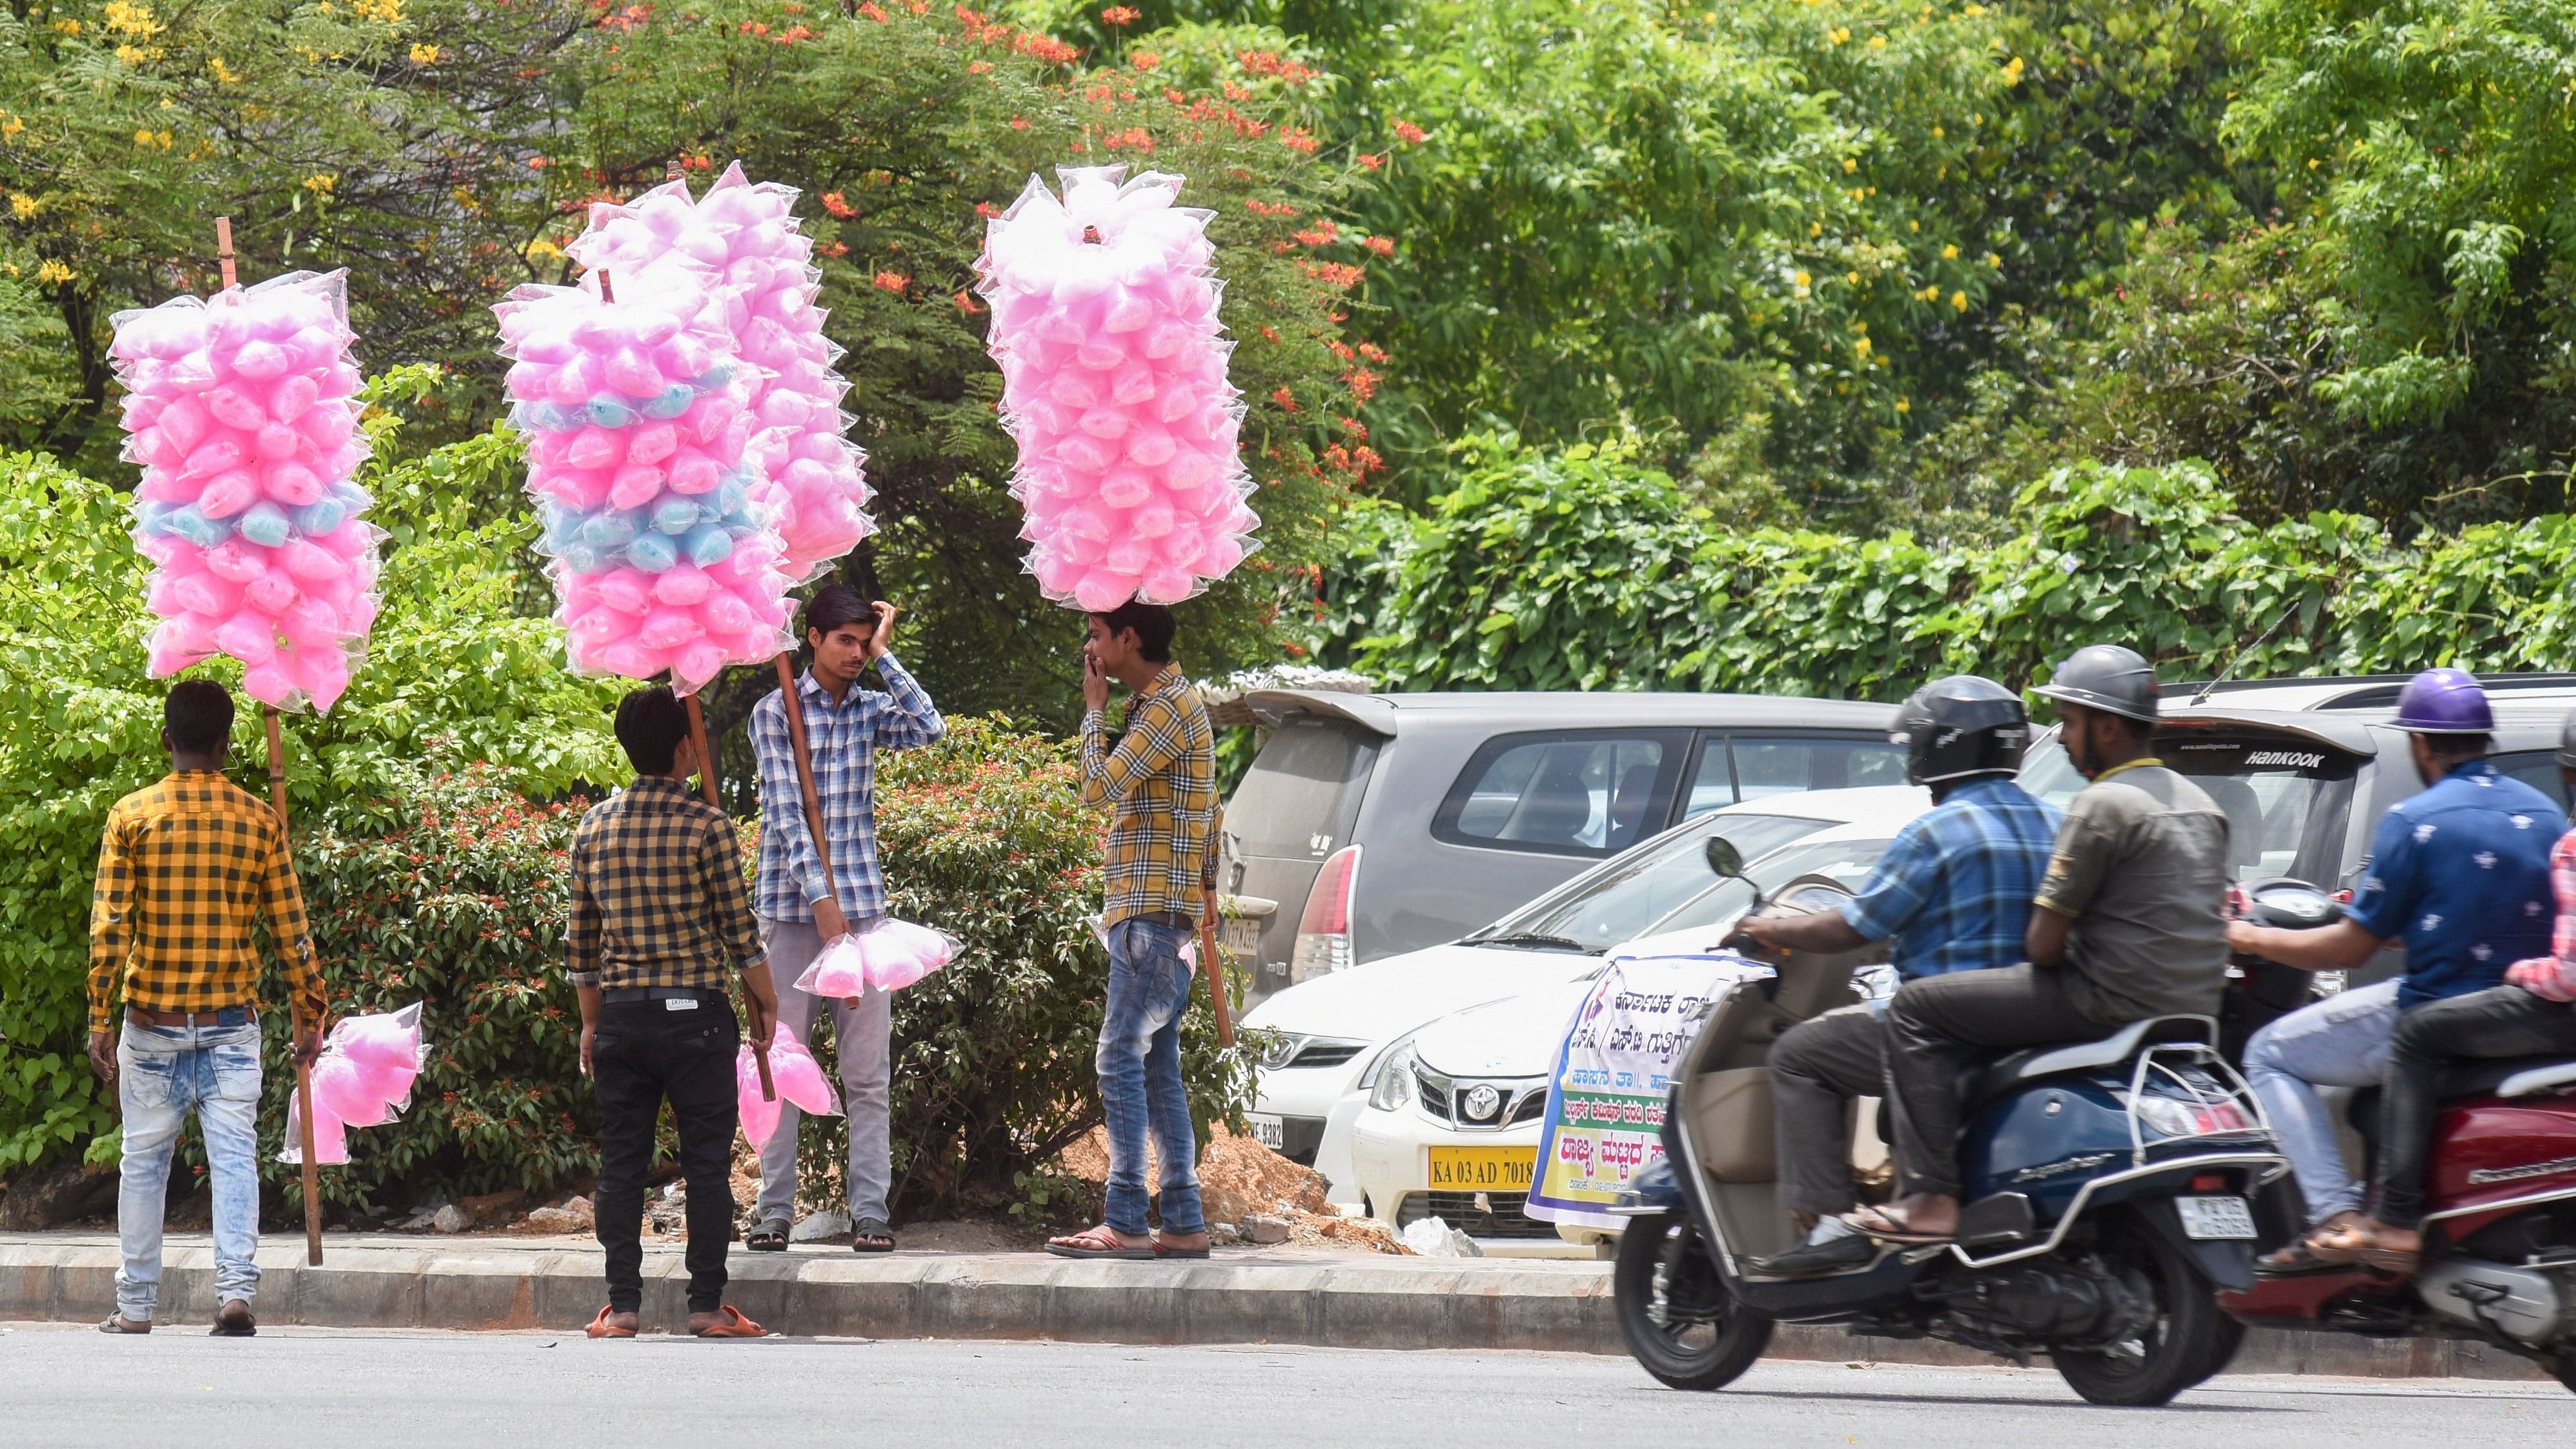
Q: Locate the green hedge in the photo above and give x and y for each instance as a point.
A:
(1583, 570)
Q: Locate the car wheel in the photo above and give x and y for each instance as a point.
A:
(1675, 1312)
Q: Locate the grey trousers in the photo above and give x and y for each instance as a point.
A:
(1817, 1068)
(861, 1035)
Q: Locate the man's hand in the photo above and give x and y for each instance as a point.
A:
(762, 998)
(102, 1056)
(1819, 931)
(589, 1033)
(1095, 685)
(308, 1045)
(829, 923)
(882, 641)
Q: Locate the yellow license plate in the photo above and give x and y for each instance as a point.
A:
(1478, 1169)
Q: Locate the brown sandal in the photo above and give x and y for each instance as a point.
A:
(730, 1324)
(600, 1327)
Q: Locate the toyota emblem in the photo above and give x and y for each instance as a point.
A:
(1483, 1102)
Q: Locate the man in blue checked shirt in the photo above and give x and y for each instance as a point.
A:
(1953, 892)
(799, 911)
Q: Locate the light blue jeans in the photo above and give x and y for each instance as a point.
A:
(2341, 1041)
(163, 1073)
(1140, 1076)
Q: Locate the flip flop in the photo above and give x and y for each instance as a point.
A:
(600, 1327)
(1883, 1226)
(731, 1325)
(1163, 1250)
(119, 1323)
(2353, 1244)
(769, 1237)
(1098, 1243)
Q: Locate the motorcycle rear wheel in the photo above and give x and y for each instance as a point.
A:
(1675, 1312)
(2189, 1340)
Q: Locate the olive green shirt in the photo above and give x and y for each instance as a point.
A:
(2141, 868)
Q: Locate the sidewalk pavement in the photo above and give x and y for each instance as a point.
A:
(465, 1282)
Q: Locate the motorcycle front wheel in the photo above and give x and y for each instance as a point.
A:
(1674, 1310)
(2187, 1340)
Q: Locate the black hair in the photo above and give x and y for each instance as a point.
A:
(198, 716)
(2452, 749)
(834, 605)
(1152, 623)
(650, 724)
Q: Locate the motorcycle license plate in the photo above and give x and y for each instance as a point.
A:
(1270, 1132)
(2215, 1217)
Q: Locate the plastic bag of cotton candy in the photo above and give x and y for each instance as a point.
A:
(242, 410)
(633, 415)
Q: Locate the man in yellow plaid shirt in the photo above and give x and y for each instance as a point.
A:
(1159, 781)
(184, 867)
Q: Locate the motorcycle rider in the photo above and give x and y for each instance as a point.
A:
(2128, 926)
(1953, 892)
(2529, 1015)
(2461, 871)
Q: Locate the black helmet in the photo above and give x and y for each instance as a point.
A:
(2567, 741)
(2106, 677)
(1960, 726)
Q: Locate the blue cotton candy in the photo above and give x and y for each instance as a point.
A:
(580, 557)
(611, 529)
(194, 526)
(609, 410)
(320, 516)
(265, 524)
(675, 516)
(353, 497)
(714, 377)
(653, 552)
(709, 545)
(151, 517)
(673, 401)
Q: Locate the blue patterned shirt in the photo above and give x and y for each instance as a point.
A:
(1954, 888)
(2462, 873)
(843, 738)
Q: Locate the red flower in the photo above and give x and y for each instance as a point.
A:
(1381, 245)
(1371, 162)
(892, 282)
(1144, 60)
(1411, 134)
(966, 303)
(1287, 400)
(873, 11)
(1298, 141)
(1321, 234)
(836, 204)
(1121, 15)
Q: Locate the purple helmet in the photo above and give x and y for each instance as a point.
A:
(2444, 702)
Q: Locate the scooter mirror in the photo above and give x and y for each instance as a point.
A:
(1724, 858)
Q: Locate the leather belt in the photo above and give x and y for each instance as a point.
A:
(620, 995)
(191, 1020)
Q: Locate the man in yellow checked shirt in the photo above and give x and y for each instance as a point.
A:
(183, 867)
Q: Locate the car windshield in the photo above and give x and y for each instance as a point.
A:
(2287, 799)
(1619, 899)
(1846, 862)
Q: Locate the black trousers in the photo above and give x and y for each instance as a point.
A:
(644, 1055)
(1817, 1068)
(1936, 1027)
(2502, 1021)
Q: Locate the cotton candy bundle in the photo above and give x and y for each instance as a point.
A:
(362, 1078)
(635, 434)
(242, 411)
(1113, 382)
(798, 1077)
(743, 243)
(887, 954)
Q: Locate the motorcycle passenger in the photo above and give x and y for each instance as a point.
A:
(2128, 926)
(2529, 1015)
(2461, 872)
(1953, 892)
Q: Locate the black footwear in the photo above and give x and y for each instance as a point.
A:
(769, 1237)
(872, 1235)
(235, 1321)
(1834, 1255)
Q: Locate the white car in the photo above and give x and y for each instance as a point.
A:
(1420, 1144)
(1334, 1030)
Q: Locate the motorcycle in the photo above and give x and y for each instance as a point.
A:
(2107, 1199)
(2499, 1259)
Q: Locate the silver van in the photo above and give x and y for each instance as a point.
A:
(1373, 824)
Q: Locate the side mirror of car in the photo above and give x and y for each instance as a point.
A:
(1724, 858)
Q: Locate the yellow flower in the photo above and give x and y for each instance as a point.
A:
(2312, 163)
(52, 272)
(1903, 406)
(543, 248)
(1958, 301)
(1838, 35)
(383, 12)
(10, 126)
(1937, 133)
(23, 204)
(127, 18)
(1973, 11)
(1950, 253)
(130, 55)
(223, 72)
(424, 54)
(2012, 72)
(320, 183)
(67, 27)
(1815, 228)
(1913, 226)
(1993, 261)
(1878, 42)
(1852, 277)
(1850, 164)
(1861, 347)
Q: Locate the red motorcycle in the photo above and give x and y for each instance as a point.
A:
(2499, 1260)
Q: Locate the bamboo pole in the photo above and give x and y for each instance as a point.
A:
(312, 1170)
(793, 702)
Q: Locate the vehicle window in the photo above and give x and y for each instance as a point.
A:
(1847, 862)
(2287, 800)
(1776, 766)
(1565, 794)
(2538, 769)
(1290, 801)
(1712, 783)
(2046, 773)
(1617, 901)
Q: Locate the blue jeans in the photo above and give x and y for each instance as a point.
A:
(2341, 1041)
(163, 1073)
(1140, 1076)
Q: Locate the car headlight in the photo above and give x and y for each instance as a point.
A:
(1394, 1079)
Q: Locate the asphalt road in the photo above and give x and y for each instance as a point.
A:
(67, 1385)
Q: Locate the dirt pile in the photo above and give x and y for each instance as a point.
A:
(1238, 1179)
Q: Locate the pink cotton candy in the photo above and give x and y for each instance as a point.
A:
(330, 1135)
(798, 1077)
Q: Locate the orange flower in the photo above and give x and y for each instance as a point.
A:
(1144, 60)
(1381, 245)
(1287, 400)
(838, 205)
(873, 11)
(966, 303)
(1121, 15)
(1371, 162)
(1411, 134)
(892, 282)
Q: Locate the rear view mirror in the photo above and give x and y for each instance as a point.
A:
(1724, 858)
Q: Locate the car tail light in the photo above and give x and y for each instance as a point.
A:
(1324, 929)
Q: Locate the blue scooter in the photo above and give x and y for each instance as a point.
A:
(2108, 1189)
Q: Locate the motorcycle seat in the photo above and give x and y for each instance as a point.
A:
(1984, 1081)
(2507, 1076)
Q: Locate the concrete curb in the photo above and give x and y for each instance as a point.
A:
(1255, 1297)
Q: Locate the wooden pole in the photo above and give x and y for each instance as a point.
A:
(224, 249)
(303, 1068)
(795, 706)
(707, 785)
